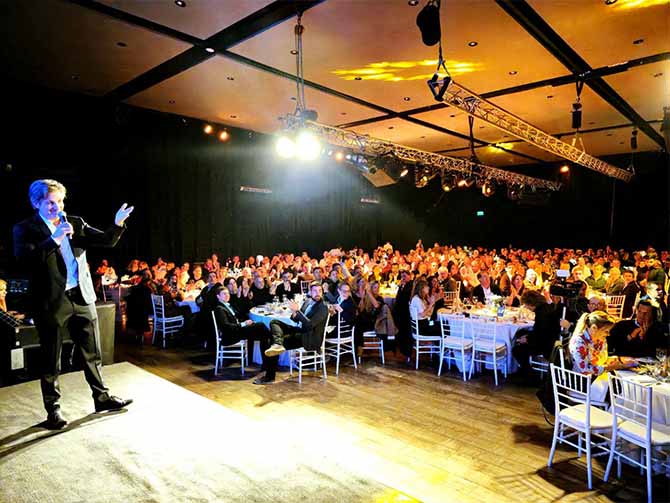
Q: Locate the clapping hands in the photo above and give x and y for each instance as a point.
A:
(123, 213)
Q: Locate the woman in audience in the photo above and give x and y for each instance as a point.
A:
(244, 296)
(614, 284)
(421, 308)
(517, 288)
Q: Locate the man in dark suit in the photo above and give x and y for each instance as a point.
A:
(231, 329)
(308, 332)
(344, 307)
(51, 249)
(285, 288)
(206, 301)
(485, 289)
(631, 289)
(400, 312)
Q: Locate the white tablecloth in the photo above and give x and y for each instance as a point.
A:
(505, 332)
(660, 406)
(265, 317)
(190, 303)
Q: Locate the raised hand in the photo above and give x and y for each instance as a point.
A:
(63, 229)
(123, 213)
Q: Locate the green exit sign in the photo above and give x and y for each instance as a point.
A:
(480, 213)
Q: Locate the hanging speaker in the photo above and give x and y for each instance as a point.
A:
(428, 21)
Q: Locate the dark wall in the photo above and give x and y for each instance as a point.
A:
(185, 186)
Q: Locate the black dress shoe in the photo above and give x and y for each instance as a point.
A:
(112, 403)
(264, 380)
(55, 420)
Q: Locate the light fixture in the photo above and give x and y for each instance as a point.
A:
(488, 189)
(307, 146)
(407, 98)
(439, 87)
(473, 43)
(446, 183)
(565, 169)
(339, 156)
(210, 50)
(638, 41)
(513, 72)
(180, 3)
(404, 172)
(610, 2)
(224, 135)
(413, 3)
(208, 129)
(230, 78)
(122, 44)
(576, 115)
(294, 52)
(550, 96)
(285, 147)
(358, 78)
(465, 182)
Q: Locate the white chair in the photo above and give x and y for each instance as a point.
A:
(304, 287)
(454, 342)
(166, 326)
(341, 344)
(632, 423)
(237, 351)
(450, 298)
(423, 344)
(539, 364)
(485, 342)
(302, 358)
(587, 421)
(372, 343)
(615, 305)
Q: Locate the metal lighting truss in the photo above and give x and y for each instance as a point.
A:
(433, 164)
(476, 106)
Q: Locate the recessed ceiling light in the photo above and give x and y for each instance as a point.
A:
(482, 127)
(591, 123)
(233, 116)
(638, 41)
(209, 49)
(659, 74)
(358, 78)
(75, 77)
(608, 134)
(620, 143)
(407, 98)
(513, 72)
(294, 52)
(230, 78)
(423, 137)
(473, 43)
(122, 44)
(391, 127)
(343, 113)
(293, 98)
(413, 3)
(171, 102)
(180, 3)
(550, 96)
(452, 115)
(610, 2)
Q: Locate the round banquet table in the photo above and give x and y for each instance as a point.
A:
(265, 315)
(505, 332)
(190, 303)
(660, 407)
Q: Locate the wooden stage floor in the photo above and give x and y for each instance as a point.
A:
(435, 439)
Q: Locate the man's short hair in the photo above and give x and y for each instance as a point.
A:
(315, 283)
(220, 288)
(532, 298)
(40, 188)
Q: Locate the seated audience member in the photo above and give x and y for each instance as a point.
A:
(285, 288)
(656, 273)
(597, 281)
(309, 333)
(206, 301)
(532, 280)
(331, 284)
(198, 281)
(343, 306)
(400, 312)
(505, 280)
(138, 304)
(421, 308)
(597, 304)
(540, 339)
(260, 293)
(370, 306)
(516, 291)
(229, 322)
(614, 284)
(630, 290)
(12, 316)
(588, 346)
(640, 336)
(485, 290)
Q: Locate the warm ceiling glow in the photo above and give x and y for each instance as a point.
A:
(397, 71)
(223, 135)
(638, 4)
(339, 156)
(497, 147)
(565, 168)
(208, 129)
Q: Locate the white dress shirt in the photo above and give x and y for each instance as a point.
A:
(68, 258)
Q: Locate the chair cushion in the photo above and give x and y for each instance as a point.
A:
(575, 417)
(456, 342)
(487, 346)
(636, 432)
(341, 339)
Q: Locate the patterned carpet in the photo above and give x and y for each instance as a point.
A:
(170, 445)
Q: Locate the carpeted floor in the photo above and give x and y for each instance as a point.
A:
(170, 445)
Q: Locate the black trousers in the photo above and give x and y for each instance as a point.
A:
(285, 335)
(81, 321)
(253, 332)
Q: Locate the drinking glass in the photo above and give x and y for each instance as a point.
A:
(660, 354)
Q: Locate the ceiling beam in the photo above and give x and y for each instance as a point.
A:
(553, 82)
(248, 27)
(541, 31)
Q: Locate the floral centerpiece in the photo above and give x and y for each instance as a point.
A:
(495, 302)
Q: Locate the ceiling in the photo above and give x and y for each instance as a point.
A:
(150, 53)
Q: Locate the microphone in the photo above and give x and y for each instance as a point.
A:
(63, 217)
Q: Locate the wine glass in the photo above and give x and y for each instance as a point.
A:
(660, 354)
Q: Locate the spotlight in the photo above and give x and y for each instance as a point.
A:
(423, 181)
(565, 169)
(439, 87)
(465, 182)
(180, 3)
(339, 156)
(208, 129)
(633, 140)
(446, 186)
(462, 183)
(576, 115)
(285, 147)
(488, 189)
(422, 175)
(404, 172)
(224, 135)
(307, 146)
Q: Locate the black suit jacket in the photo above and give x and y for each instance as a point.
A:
(313, 325)
(630, 291)
(478, 292)
(348, 314)
(228, 325)
(290, 292)
(40, 258)
(207, 299)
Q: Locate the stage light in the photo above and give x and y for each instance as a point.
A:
(462, 183)
(439, 86)
(307, 146)
(180, 3)
(224, 135)
(208, 129)
(423, 181)
(488, 189)
(576, 115)
(565, 169)
(339, 156)
(404, 172)
(285, 147)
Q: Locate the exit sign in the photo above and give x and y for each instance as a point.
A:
(480, 213)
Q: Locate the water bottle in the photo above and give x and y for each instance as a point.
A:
(501, 310)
